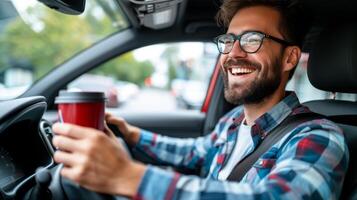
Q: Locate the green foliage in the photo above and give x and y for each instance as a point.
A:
(46, 47)
(170, 55)
(126, 68)
(48, 38)
(172, 73)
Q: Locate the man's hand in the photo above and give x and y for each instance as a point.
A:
(130, 133)
(96, 160)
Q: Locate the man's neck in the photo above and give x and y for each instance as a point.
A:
(254, 111)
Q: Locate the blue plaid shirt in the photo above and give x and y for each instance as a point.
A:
(310, 162)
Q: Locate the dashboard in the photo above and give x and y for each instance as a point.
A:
(24, 144)
(27, 168)
(9, 172)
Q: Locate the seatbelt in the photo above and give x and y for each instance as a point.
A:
(287, 125)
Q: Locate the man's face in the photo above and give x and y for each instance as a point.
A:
(250, 78)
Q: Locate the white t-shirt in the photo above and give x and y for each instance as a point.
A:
(244, 144)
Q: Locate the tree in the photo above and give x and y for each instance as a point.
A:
(48, 38)
(170, 55)
(126, 68)
(46, 46)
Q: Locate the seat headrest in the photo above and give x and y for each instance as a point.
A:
(332, 64)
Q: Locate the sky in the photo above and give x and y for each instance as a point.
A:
(21, 5)
(153, 52)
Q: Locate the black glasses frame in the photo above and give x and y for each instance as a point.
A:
(238, 37)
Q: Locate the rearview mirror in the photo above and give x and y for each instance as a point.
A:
(156, 14)
(71, 7)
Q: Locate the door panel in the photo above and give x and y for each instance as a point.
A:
(173, 124)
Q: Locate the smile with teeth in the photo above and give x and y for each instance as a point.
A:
(236, 71)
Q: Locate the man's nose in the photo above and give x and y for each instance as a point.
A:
(237, 50)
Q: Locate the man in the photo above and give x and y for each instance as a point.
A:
(259, 52)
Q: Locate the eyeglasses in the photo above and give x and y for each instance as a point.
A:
(250, 41)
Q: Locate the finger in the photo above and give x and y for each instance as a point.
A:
(73, 131)
(70, 173)
(107, 115)
(115, 120)
(76, 174)
(66, 144)
(68, 159)
(108, 131)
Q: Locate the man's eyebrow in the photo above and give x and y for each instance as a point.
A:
(249, 30)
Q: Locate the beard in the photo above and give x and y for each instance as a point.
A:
(257, 90)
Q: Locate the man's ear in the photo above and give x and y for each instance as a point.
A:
(291, 57)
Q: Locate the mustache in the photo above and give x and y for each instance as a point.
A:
(234, 62)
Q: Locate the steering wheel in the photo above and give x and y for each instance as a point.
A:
(65, 189)
(119, 135)
(19, 124)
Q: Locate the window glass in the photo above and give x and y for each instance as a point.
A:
(164, 77)
(34, 39)
(305, 91)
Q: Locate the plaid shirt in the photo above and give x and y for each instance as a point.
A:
(308, 163)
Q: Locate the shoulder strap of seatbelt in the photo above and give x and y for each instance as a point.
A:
(273, 137)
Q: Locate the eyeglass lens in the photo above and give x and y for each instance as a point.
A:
(250, 42)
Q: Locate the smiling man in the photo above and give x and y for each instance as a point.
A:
(260, 51)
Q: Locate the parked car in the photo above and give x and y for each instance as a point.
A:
(112, 28)
(97, 83)
(127, 90)
(189, 94)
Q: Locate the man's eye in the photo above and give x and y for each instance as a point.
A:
(228, 42)
(254, 40)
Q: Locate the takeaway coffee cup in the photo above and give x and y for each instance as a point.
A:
(82, 108)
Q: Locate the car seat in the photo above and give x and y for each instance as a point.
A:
(332, 67)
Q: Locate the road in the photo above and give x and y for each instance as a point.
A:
(150, 100)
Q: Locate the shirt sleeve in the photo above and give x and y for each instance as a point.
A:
(311, 165)
(187, 152)
(191, 153)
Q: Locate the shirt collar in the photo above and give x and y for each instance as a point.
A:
(274, 116)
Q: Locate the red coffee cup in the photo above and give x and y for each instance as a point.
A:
(82, 108)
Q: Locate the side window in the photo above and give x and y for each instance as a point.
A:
(164, 77)
(35, 39)
(305, 91)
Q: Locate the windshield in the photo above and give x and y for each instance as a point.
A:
(34, 39)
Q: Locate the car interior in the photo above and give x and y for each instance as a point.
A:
(27, 168)
(339, 72)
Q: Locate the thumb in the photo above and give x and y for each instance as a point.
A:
(110, 119)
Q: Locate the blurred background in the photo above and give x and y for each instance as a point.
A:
(166, 77)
